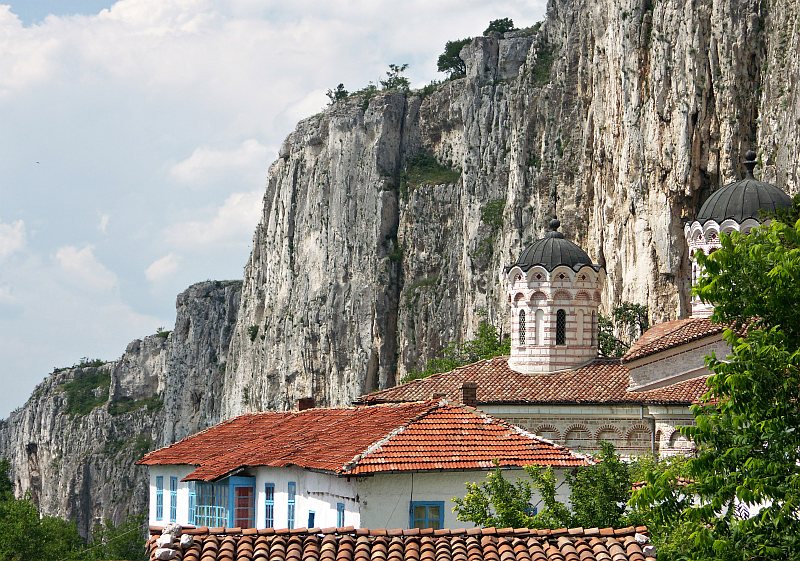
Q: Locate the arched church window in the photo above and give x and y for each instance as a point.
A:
(539, 334)
(522, 327)
(561, 327)
(593, 327)
(581, 326)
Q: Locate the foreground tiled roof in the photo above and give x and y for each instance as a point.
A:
(348, 544)
(603, 381)
(429, 435)
(671, 334)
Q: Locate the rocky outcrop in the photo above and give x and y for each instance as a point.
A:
(618, 116)
(73, 445)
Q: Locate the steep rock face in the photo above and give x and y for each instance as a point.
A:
(619, 116)
(73, 445)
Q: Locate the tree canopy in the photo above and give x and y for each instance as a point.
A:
(740, 496)
(501, 25)
(25, 535)
(450, 60)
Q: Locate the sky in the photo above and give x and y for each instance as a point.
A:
(135, 138)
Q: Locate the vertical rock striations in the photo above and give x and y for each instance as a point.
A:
(619, 116)
(73, 445)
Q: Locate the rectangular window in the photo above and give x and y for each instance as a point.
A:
(340, 514)
(160, 497)
(192, 501)
(269, 504)
(427, 514)
(173, 499)
(211, 508)
(290, 504)
(312, 517)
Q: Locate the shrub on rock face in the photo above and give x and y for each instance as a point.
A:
(450, 60)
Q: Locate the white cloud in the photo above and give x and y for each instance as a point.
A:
(231, 222)
(81, 265)
(12, 238)
(207, 164)
(162, 268)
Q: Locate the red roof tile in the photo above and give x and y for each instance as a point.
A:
(362, 440)
(671, 334)
(603, 381)
(478, 544)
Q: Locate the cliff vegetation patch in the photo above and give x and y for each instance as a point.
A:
(424, 169)
(87, 390)
(126, 405)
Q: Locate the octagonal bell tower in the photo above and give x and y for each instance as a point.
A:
(554, 291)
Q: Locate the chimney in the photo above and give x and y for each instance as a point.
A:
(469, 394)
(305, 403)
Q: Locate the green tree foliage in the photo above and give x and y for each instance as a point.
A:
(498, 502)
(501, 25)
(487, 344)
(450, 60)
(394, 78)
(627, 319)
(25, 535)
(599, 493)
(746, 429)
(598, 496)
(338, 94)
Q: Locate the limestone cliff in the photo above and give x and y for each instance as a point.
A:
(73, 445)
(618, 116)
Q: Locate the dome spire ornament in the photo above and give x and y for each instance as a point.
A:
(750, 163)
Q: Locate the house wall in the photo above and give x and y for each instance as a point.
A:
(317, 492)
(182, 496)
(386, 498)
(379, 501)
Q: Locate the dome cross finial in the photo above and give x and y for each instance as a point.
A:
(749, 164)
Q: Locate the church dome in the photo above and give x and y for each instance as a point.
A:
(552, 251)
(744, 199)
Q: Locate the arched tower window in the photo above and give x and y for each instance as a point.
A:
(561, 327)
(522, 327)
(581, 326)
(593, 327)
(539, 327)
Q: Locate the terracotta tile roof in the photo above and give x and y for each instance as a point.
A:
(362, 440)
(348, 544)
(671, 334)
(603, 381)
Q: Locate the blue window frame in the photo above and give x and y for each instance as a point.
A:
(426, 514)
(159, 497)
(192, 501)
(292, 488)
(269, 505)
(211, 508)
(173, 499)
(312, 518)
(242, 499)
(340, 514)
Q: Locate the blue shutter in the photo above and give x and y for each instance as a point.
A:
(173, 499)
(290, 504)
(340, 514)
(192, 501)
(160, 497)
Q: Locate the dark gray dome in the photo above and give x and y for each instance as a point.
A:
(747, 198)
(552, 251)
